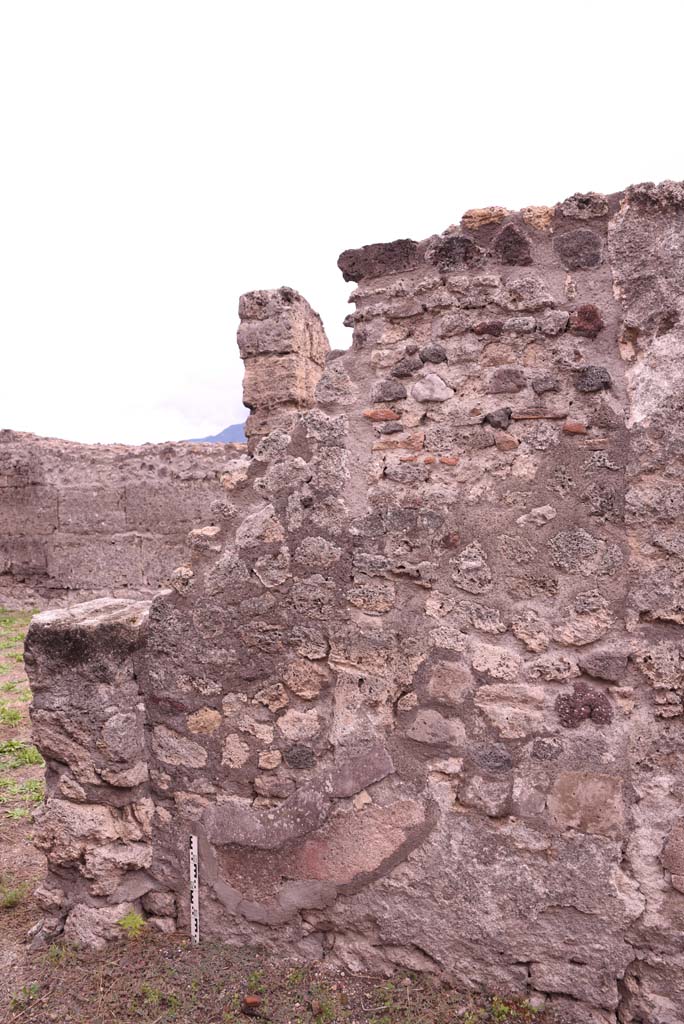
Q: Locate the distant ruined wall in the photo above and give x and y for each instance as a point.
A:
(419, 693)
(79, 521)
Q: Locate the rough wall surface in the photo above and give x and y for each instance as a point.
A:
(80, 521)
(420, 692)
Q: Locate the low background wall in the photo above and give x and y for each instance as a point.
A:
(80, 521)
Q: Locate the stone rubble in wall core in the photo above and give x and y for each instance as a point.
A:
(419, 693)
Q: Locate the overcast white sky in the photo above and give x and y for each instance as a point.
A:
(160, 157)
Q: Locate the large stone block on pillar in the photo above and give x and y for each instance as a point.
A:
(279, 380)
(284, 348)
(296, 331)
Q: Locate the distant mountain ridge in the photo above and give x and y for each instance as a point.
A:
(234, 433)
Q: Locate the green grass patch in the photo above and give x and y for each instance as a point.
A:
(59, 954)
(15, 620)
(31, 790)
(17, 813)
(22, 999)
(11, 893)
(10, 717)
(15, 754)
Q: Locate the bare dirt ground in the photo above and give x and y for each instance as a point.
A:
(154, 979)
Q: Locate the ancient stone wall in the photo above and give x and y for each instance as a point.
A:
(80, 521)
(419, 694)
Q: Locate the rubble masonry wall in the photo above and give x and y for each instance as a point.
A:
(419, 692)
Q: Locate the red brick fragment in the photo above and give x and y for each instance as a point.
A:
(449, 460)
(574, 427)
(378, 415)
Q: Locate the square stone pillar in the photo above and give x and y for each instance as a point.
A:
(284, 348)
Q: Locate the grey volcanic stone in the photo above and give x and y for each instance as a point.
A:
(499, 419)
(452, 252)
(592, 378)
(584, 206)
(580, 249)
(512, 246)
(506, 380)
(408, 365)
(388, 391)
(433, 354)
(608, 664)
(378, 260)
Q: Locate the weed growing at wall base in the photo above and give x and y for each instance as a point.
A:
(15, 754)
(132, 924)
(11, 893)
(24, 997)
(9, 717)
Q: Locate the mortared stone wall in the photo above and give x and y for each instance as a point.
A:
(419, 692)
